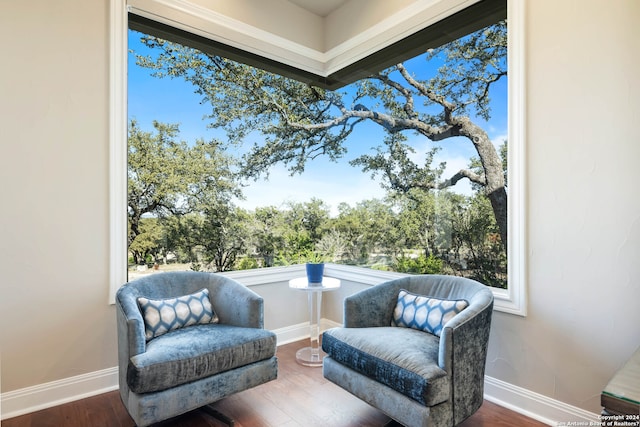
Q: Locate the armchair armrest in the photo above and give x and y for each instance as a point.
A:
(463, 353)
(468, 329)
(131, 339)
(237, 305)
(130, 324)
(371, 307)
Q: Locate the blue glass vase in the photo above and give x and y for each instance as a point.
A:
(315, 272)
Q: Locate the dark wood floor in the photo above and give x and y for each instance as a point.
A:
(299, 397)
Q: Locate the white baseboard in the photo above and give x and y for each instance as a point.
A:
(301, 331)
(537, 406)
(292, 333)
(517, 399)
(42, 396)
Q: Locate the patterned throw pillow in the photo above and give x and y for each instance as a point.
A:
(164, 315)
(425, 313)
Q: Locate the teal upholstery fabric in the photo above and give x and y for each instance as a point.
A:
(173, 380)
(401, 408)
(197, 352)
(148, 408)
(459, 354)
(401, 358)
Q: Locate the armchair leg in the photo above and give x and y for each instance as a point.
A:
(219, 415)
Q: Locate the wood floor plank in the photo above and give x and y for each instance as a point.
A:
(300, 397)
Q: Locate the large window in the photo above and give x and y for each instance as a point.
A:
(401, 128)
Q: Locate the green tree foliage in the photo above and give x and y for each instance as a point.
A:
(334, 245)
(476, 242)
(169, 177)
(268, 231)
(212, 240)
(246, 263)
(182, 236)
(308, 217)
(444, 233)
(147, 243)
(419, 265)
(224, 236)
(369, 229)
(305, 222)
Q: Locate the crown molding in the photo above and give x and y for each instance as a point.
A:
(403, 23)
(214, 25)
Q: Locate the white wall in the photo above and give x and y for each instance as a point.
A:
(583, 105)
(54, 192)
(583, 211)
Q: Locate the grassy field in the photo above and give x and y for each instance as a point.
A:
(135, 272)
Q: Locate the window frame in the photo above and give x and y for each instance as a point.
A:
(512, 300)
(118, 146)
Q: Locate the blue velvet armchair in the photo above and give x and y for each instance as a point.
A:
(417, 378)
(165, 372)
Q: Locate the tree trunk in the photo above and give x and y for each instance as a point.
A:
(498, 200)
(494, 176)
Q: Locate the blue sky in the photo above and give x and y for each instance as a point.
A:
(174, 101)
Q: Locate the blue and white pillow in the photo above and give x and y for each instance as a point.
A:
(425, 313)
(164, 315)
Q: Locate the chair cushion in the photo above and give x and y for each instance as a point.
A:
(196, 352)
(164, 315)
(424, 313)
(401, 358)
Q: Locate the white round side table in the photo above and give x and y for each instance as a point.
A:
(312, 355)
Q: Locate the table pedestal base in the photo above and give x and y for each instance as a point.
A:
(312, 355)
(308, 356)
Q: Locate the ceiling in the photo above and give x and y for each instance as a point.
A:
(319, 7)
